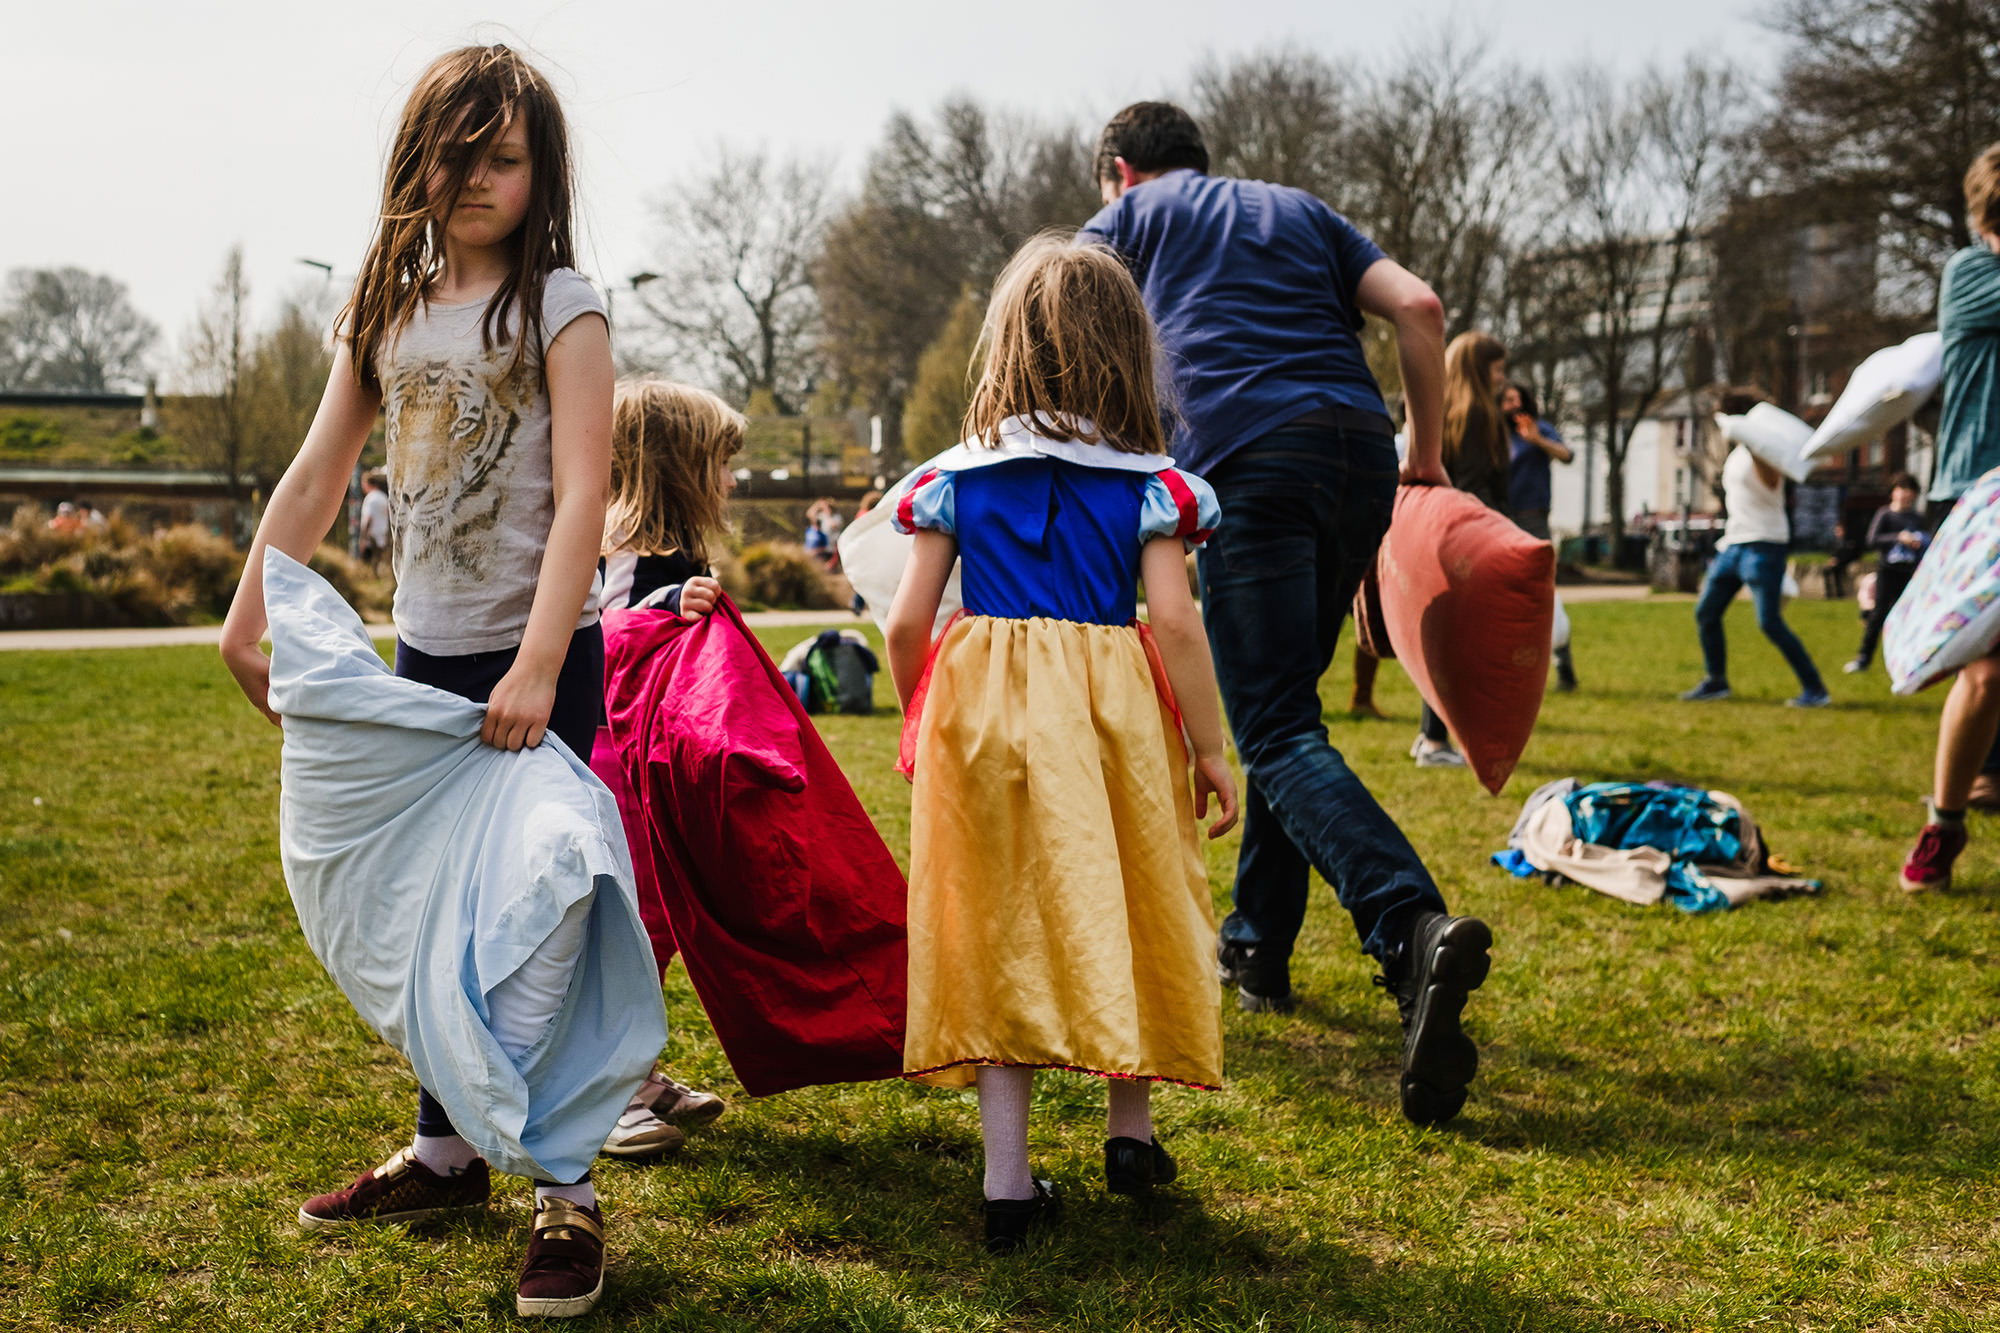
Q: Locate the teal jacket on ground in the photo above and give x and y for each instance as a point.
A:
(1968, 442)
(427, 866)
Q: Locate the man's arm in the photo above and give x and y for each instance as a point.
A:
(1390, 291)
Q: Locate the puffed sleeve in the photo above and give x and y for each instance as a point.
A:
(929, 503)
(1178, 505)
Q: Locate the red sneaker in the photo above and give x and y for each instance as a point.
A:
(402, 1189)
(564, 1274)
(1929, 865)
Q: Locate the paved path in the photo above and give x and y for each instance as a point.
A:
(210, 634)
(172, 635)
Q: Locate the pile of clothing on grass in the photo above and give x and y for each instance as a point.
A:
(1646, 841)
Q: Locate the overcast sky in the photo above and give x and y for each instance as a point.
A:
(148, 137)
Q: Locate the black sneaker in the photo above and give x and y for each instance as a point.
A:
(1263, 980)
(1708, 692)
(1445, 960)
(1008, 1221)
(1134, 1166)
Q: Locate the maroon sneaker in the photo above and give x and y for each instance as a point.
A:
(564, 1274)
(1929, 865)
(402, 1189)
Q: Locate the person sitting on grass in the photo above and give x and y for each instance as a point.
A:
(1753, 551)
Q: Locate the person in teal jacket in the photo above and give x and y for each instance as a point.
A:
(1968, 446)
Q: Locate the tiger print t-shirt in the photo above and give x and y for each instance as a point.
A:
(471, 489)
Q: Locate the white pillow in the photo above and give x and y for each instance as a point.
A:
(1883, 392)
(1773, 435)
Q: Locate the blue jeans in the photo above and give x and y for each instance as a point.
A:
(1761, 565)
(1303, 511)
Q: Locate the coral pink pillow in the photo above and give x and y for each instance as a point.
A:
(1469, 601)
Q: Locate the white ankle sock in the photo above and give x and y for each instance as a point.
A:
(583, 1194)
(446, 1154)
(1131, 1113)
(1003, 1126)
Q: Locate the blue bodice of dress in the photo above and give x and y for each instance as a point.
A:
(1041, 537)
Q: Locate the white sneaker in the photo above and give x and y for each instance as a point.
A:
(1435, 754)
(641, 1133)
(677, 1101)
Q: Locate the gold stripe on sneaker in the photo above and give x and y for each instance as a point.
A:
(561, 1213)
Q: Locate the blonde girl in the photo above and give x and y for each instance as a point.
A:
(670, 482)
(470, 328)
(1059, 910)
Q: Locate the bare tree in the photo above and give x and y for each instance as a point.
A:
(1642, 168)
(1276, 116)
(1442, 154)
(735, 302)
(65, 330)
(211, 412)
(285, 380)
(946, 201)
(1881, 107)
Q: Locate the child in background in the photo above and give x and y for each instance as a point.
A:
(1059, 910)
(1898, 537)
(670, 478)
(492, 357)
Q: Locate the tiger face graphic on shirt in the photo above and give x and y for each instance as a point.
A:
(471, 487)
(451, 425)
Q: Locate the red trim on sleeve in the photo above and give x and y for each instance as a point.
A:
(906, 508)
(1184, 501)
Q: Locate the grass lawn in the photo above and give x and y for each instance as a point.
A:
(1787, 1116)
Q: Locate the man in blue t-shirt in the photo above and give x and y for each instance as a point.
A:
(1258, 291)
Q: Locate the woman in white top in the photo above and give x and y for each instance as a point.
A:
(1753, 551)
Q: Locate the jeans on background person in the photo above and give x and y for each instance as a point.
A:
(1303, 511)
(1760, 566)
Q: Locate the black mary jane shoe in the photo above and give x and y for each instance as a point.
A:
(1008, 1221)
(1134, 1166)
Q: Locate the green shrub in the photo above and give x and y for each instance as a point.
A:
(186, 574)
(780, 574)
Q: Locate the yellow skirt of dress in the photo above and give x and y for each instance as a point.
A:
(1059, 908)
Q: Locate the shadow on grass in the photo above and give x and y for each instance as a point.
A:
(815, 1204)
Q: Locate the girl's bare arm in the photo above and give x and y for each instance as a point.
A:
(1183, 646)
(908, 634)
(301, 512)
(578, 367)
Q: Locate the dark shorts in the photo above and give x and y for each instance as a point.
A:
(579, 686)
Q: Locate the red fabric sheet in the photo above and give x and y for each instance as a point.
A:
(753, 855)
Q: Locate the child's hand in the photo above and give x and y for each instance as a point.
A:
(517, 712)
(698, 597)
(1212, 776)
(252, 670)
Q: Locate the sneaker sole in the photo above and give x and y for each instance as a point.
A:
(1908, 885)
(1251, 1003)
(314, 1222)
(1441, 1060)
(553, 1307)
(700, 1115)
(633, 1151)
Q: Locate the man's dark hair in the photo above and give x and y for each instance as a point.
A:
(1150, 136)
(1903, 481)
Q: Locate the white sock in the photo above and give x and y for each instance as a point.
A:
(445, 1155)
(583, 1194)
(1131, 1113)
(1003, 1126)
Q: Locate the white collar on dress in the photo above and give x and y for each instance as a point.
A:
(1019, 439)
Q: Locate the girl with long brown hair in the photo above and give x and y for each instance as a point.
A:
(1477, 455)
(1059, 910)
(491, 356)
